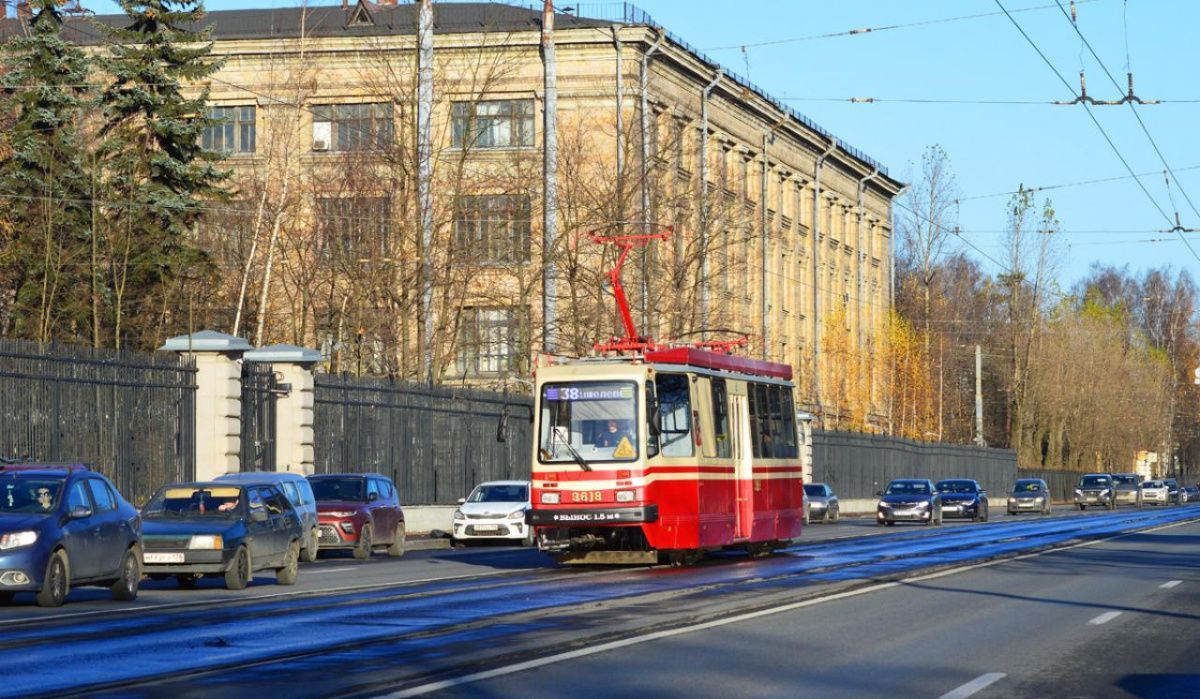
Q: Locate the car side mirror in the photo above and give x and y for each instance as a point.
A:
(80, 512)
(878, 493)
(372, 497)
(258, 515)
(462, 501)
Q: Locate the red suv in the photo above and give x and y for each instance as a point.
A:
(360, 512)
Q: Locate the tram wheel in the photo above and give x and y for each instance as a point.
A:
(683, 558)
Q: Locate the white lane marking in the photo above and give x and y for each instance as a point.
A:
(421, 690)
(1169, 585)
(974, 686)
(1104, 618)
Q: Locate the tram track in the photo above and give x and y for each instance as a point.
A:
(533, 604)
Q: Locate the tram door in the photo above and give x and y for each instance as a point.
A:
(742, 465)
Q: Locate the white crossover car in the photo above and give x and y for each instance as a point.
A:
(494, 511)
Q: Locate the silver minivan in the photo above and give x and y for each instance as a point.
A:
(295, 486)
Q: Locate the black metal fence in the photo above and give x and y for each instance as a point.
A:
(131, 416)
(858, 465)
(258, 417)
(435, 443)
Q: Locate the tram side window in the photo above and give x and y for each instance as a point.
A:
(675, 406)
(720, 403)
(773, 421)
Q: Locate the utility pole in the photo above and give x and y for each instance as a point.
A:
(549, 181)
(979, 398)
(425, 178)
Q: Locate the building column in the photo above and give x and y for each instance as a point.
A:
(218, 398)
(295, 440)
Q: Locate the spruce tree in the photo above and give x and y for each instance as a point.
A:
(45, 182)
(157, 175)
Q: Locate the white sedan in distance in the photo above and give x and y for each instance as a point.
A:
(494, 511)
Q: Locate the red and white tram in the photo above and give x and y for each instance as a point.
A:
(664, 453)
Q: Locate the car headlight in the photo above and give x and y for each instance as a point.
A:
(1078, 493)
(1106, 491)
(14, 540)
(923, 503)
(206, 541)
(624, 496)
(517, 516)
(550, 498)
(885, 505)
(458, 514)
(340, 513)
(1012, 501)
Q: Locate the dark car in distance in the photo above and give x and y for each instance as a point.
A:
(360, 512)
(62, 526)
(909, 500)
(963, 497)
(1174, 492)
(232, 530)
(1095, 490)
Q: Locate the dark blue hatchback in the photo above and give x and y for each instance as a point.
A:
(65, 525)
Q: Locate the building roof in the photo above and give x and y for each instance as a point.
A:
(325, 21)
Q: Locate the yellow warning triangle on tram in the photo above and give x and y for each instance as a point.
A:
(624, 449)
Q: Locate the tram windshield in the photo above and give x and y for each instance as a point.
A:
(588, 421)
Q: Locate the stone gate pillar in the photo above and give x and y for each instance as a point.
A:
(218, 398)
(294, 407)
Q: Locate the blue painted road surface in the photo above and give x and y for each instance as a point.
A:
(419, 620)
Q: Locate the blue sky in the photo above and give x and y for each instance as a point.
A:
(993, 148)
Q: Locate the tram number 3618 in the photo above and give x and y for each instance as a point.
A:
(587, 496)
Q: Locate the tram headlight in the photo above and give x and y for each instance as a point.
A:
(550, 498)
(625, 496)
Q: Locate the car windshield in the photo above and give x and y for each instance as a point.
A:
(29, 494)
(956, 487)
(908, 488)
(499, 493)
(1152, 484)
(195, 501)
(1027, 487)
(814, 490)
(1094, 481)
(588, 421)
(1126, 480)
(338, 489)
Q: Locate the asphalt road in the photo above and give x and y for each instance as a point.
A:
(1120, 618)
(370, 628)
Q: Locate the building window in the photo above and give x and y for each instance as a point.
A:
(232, 130)
(353, 127)
(354, 227)
(494, 124)
(677, 141)
(493, 228)
(488, 341)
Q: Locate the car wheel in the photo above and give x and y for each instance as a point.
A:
(363, 549)
(291, 566)
(187, 581)
(312, 549)
(396, 550)
(1082, 508)
(837, 515)
(57, 583)
(1112, 505)
(530, 538)
(125, 589)
(825, 516)
(986, 512)
(239, 574)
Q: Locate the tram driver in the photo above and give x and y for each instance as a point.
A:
(613, 433)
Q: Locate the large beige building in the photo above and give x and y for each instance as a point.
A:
(780, 231)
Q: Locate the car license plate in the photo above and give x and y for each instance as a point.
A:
(163, 558)
(486, 527)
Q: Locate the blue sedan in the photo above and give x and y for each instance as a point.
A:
(62, 526)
